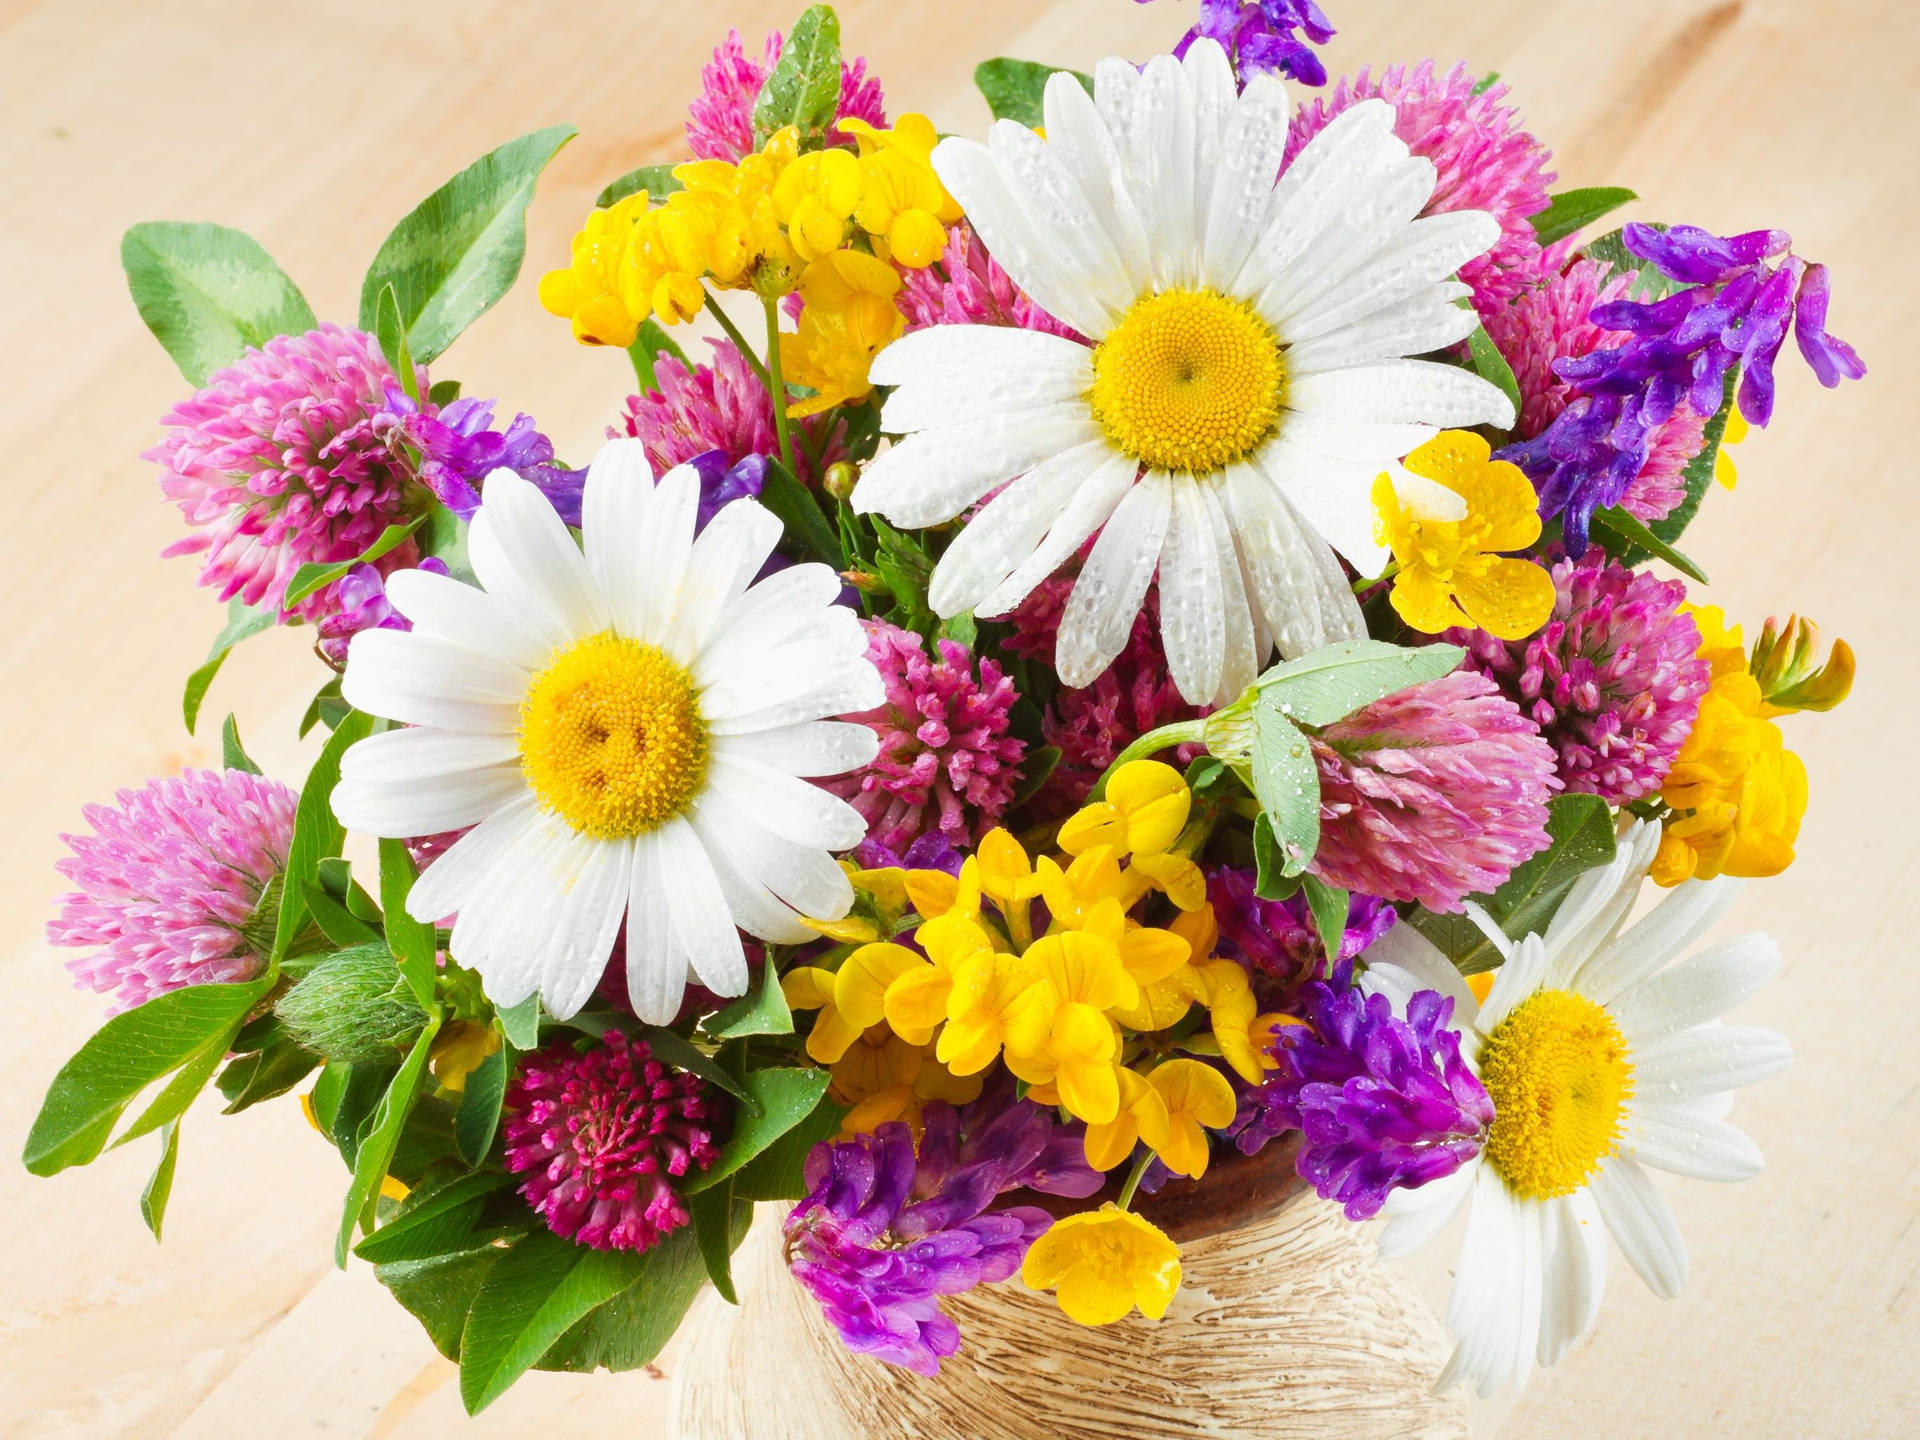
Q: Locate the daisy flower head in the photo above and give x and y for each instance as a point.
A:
(1601, 1060)
(1244, 382)
(627, 730)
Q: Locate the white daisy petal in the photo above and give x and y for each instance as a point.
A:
(1245, 651)
(1107, 595)
(1700, 988)
(802, 877)
(1009, 528)
(502, 931)
(1192, 618)
(421, 680)
(427, 804)
(664, 550)
(576, 954)
(1324, 177)
(702, 922)
(1416, 1216)
(522, 554)
(1513, 982)
(805, 689)
(419, 752)
(1334, 496)
(1250, 155)
(656, 961)
(1597, 904)
(1404, 949)
(1413, 327)
(1488, 1307)
(1425, 252)
(460, 874)
(773, 611)
(1700, 1061)
(1216, 96)
(1687, 912)
(949, 374)
(1059, 211)
(930, 477)
(785, 805)
(1642, 1225)
(1078, 134)
(810, 748)
(1159, 156)
(722, 563)
(1576, 1273)
(1672, 1139)
(467, 616)
(1296, 582)
(1087, 509)
(1402, 391)
(615, 513)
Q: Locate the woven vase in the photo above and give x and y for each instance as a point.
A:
(1286, 1325)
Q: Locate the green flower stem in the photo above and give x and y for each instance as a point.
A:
(739, 340)
(777, 386)
(1181, 732)
(1133, 1179)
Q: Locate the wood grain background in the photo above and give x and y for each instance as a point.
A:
(315, 126)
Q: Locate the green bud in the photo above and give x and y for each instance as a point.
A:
(352, 1006)
(840, 479)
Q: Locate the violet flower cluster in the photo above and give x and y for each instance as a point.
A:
(884, 1233)
(1260, 36)
(1381, 1102)
(1740, 295)
(1278, 939)
(454, 447)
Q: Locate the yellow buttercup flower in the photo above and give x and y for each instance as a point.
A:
(902, 205)
(1103, 1263)
(1446, 521)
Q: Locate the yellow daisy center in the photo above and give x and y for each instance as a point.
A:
(611, 737)
(1189, 380)
(1558, 1074)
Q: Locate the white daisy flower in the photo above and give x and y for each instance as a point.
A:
(1245, 381)
(626, 730)
(1601, 1060)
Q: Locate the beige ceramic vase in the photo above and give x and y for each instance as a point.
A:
(1286, 1325)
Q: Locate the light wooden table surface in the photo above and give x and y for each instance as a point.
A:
(314, 127)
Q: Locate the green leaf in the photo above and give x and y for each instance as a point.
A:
(207, 293)
(1286, 782)
(521, 1023)
(316, 834)
(478, 1117)
(711, 1210)
(443, 392)
(785, 1097)
(391, 333)
(336, 922)
(804, 88)
(1270, 880)
(233, 755)
(317, 707)
(439, 1290)
(635, 1325)
(1573, 210)
(681, 1053)
(960, 627)
(457, 252)
(1333, 682)
(153, 1199)
(657, 180)
(1492, 366)
(122, 1058)
(184, 1088)
(1014, 88)
(311, 578)
(264, 1074)
(242, 621)
(765, 1013)
(650, 342)
(1035, 771)
(1329, 906)
(1622, 533)
(434, 1220)
(412, 940)
(806, 523)
(444, 537)
(376, 1150)
(907, 568)
(776, 1173)
(1698, 476)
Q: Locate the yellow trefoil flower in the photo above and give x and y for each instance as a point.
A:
(903, 205)
(1446, 519)
(1103, 1263)
(1145, 809)
(814, 197)
(849, 318)
(589, 290)
(996, 1001)
(1170, 1109)
(1737, 793)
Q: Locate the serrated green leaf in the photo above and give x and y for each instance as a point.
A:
(316, 834)
(122, 1058)
(478, 1117)
(1492, 366)
(412, 940)
(1329, 906)
(233, 755)
(784, 1097)
(375, 1151)
(806, 523)
(1336, 680)
(153, 1199)
(804, 88)
(311, 578)
(762, 1013)
(1622, 533)
(457, 252)
(650, 342)
(1573, 210)
(1015, 89)
(1286, 782)
(207, 293)
(657, 180)
(242, 621)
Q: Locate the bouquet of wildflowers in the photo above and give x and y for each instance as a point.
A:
(1157, 635)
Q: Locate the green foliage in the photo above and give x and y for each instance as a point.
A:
(762, 1013)
(1329, 906)
(1492, 366)
(657, 180)
(1270, 878)
(412, 940)
(207, 293)
(153, 1199)
(316, 834)
(783, 1097)
(440, 1215)
(521, 1023)
(1035, 770)
(326, 705)
(391, 333)
(271, 1067)
(339, 924)
(711, 1210)
(353, 1006)
(177, 1031)
(312, 578)
(1698, 476)
(776, 1172)
(1580, 832)
(650, 342)
(806, 523)
(242, 621)
(804, 88)
(1573, 210)
(478, 1117)
(233, 755)
(1333, 682)
(676, 1050)
(1611, 251)
(375, 1150)
(457, 252)
(1014, 88)
(1622, 533)
(1286, 782)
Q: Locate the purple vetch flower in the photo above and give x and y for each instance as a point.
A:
(883, 1233)
(931, 851)
(169, 881)
(1381, 1102)
(1740, 294)
(1278, 939)
(599, 1134)
(453, 448)
(360, 596)
(1259, 36)
(1612, 679)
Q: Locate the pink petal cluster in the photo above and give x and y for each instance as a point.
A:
(1612, 680)
(723, 406)
(1090, 726)
(946, 760)
(1548, 321)
(1432, 794)
(168, 880)
(276, 464)
(598, 1135)
(720, 119)
(1485, 160)
(968, 287)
